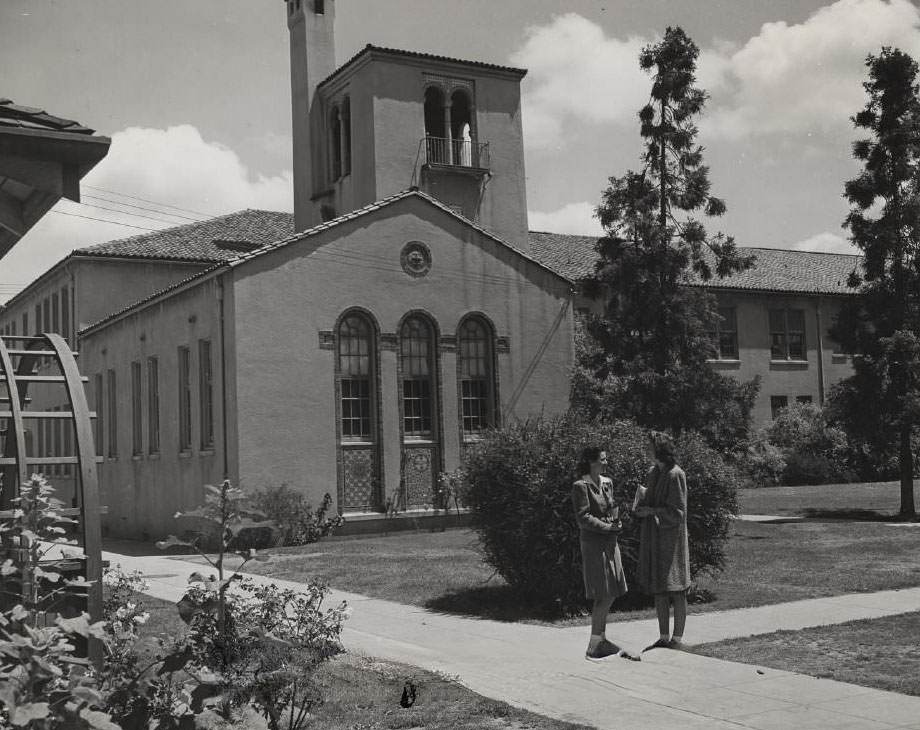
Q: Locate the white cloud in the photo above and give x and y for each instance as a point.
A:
(173, 166)
(825, 242)
(577, 73)
(807, 76)
(575, 218)
(789, 78)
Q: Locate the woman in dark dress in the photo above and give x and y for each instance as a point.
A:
(598, 521)
(664, 552)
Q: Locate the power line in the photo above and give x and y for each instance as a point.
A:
(105, 220)
(146, 200)
(136, 215)
(141, 207)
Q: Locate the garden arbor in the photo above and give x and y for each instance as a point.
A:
(48, 429)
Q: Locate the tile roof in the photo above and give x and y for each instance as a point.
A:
(774, 270)
(370, 48)
(230, 258)
(30, 117)
(211, 241)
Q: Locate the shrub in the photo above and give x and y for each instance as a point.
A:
(295, 520)
(815, 451)
(518, 486)
(762, 462)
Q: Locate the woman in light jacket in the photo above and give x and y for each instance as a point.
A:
(664, 552)
(598, 521)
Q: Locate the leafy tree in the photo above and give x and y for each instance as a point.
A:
(654, 337)
(880, 403)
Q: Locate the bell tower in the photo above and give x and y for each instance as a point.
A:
(310, 23)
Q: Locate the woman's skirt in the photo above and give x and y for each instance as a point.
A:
(602, 566)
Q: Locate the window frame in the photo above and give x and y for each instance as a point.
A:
(184, 389)
(786, 333)
(205, 395)
(153, 405)
(137, 410)
(357, 390)
(473, 424)
(418, 391)
(112, 414)
(777, 404)
(718, 329)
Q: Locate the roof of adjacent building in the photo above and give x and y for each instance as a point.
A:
(398, 53)
(42, 159)
(217, 239)
(775, 269)
(235, 258)
(30, 117)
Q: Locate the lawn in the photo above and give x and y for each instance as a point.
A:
(868, 501)
(361, 692)
(881, 653)
(766, 563)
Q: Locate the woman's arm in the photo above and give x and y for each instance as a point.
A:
(674, 510)
(583, 516)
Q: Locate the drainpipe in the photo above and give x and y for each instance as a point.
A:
(820, 352)
(223, 376)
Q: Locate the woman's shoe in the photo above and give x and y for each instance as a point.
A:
(660, 644)
(602, 651)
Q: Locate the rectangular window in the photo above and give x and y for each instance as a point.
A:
(65, 316)
(474, 398)
(153, 405)
(55, 313)
(100, 421)
(777, 403)
(417, 407)
(356, 408)
(803, 399)
(206, 394)
(787, 334)
(137, 411)
(185, 400)
(724, 334)
(112, 414)
(57, 440)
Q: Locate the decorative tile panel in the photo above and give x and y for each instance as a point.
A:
(388, 341)
(359, 477)
(418, 476)
(326, 340)
(503, 344)
(448, 343)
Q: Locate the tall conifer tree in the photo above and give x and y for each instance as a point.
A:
(654, 337)
(881, 326)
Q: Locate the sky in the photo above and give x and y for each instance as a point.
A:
(196, 98)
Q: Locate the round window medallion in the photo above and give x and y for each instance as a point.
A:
(416, 258)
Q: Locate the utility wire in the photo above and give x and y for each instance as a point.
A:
(136, 215)
(141, 207)
(153, 202)
(105, 220)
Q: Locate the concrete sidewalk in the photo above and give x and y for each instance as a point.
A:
(543, 668)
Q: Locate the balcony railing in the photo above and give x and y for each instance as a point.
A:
(457, 152)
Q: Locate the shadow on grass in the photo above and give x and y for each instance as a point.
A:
(857, 515)
(504, 603)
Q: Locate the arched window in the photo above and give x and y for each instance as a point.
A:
(461, 121)
(417, 365)
(345, 123)
(435, 125)
(356, 372)
(476, 377)
(335, 145)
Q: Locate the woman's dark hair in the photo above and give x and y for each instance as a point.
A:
(663, 446)
(588, 455)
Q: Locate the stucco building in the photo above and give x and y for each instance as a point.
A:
(358, 346)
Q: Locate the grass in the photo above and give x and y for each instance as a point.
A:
(362, 692)
(878, 500)
(766, 564)
(880, 653)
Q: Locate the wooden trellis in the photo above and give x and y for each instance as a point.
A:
(47, 359)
